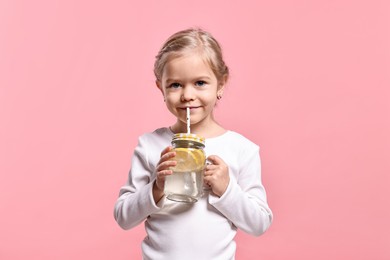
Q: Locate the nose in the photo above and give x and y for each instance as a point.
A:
(188, 94)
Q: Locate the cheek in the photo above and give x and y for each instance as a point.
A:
(169, 99)
(171, 103)
(210, 100)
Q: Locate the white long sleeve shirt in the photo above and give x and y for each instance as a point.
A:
(205, 229)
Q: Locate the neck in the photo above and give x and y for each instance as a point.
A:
(205, 129)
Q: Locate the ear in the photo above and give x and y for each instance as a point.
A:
(158, 85)
(221, 85)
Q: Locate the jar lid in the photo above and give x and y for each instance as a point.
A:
(188, 137)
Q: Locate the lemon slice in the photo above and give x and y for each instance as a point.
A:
(189, 159)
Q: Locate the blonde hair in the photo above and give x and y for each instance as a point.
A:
(193, 39)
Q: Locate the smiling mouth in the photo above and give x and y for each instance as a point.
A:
(185, 108)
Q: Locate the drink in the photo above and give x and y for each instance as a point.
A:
(186, 182)
(184, 186)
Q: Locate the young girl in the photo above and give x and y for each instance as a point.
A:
(190, 72)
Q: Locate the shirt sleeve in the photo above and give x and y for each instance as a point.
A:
(244, 201)
(135, 202)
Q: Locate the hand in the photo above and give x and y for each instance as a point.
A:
(216, 175)
(163, 170)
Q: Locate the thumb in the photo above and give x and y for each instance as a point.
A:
(214, 159)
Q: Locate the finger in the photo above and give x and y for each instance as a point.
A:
(165, 165)
(209, 172)
(167, 156)
(163, 173)
(211, 167)
(167, 149)
(209, 180)
(206, 184)
(206, 181)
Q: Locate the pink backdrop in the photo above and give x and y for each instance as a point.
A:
(310, 84)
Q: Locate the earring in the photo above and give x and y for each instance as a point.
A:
(219, 97)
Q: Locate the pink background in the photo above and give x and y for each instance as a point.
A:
(310, 84)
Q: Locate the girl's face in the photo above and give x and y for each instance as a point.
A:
(188, 81)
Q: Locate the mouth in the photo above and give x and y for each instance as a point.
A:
(191, 108)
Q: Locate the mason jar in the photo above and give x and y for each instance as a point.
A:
(186, 182)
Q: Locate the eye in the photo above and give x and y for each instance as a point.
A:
(200, 83)
(174, 85)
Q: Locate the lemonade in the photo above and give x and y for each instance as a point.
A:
(189, 158)
(186, 182)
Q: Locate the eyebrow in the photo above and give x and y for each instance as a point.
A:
(195, 78)
(170, 80)
(203, 77)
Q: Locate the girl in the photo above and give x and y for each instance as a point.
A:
(190, 72)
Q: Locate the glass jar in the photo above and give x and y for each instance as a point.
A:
(186, 182)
